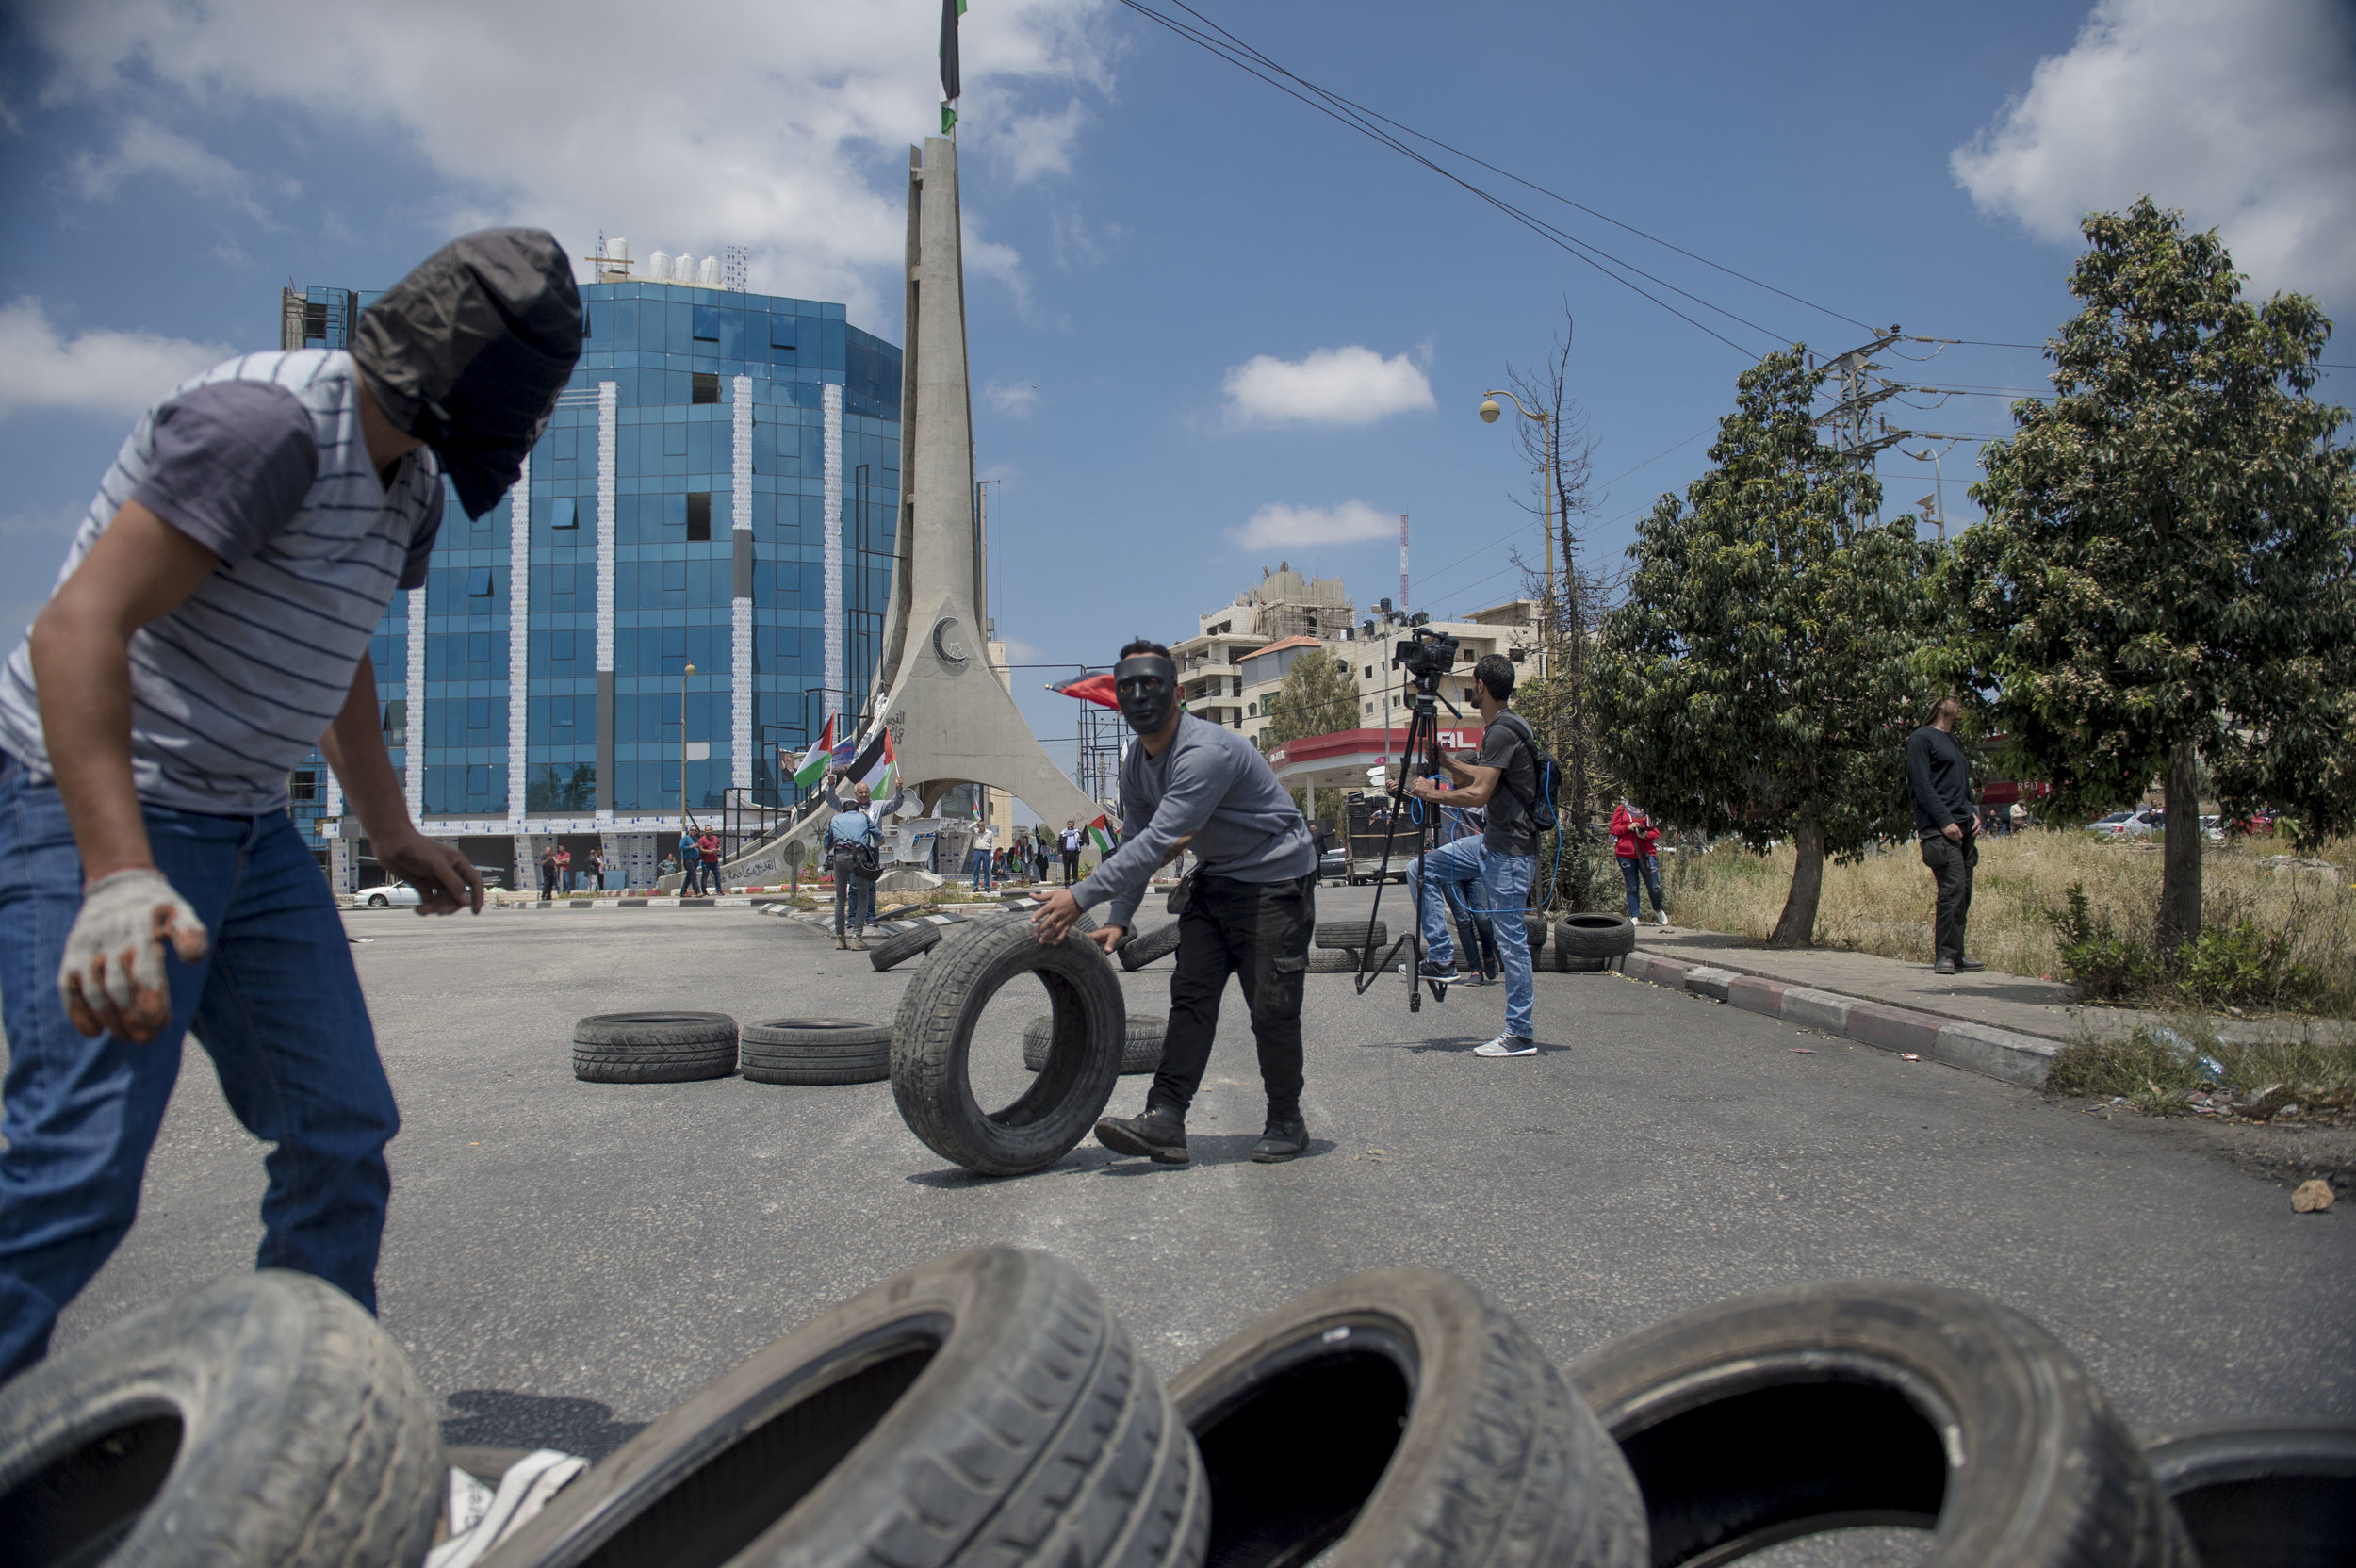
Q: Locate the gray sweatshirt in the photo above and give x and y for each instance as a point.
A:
(1211, 782)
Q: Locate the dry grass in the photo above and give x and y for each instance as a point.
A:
(1883, 905)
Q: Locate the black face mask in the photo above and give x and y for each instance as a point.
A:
(470, 351)
(1147, 685)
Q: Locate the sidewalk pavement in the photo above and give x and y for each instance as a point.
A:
(2017, 1003)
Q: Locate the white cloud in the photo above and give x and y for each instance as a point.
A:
(780, 127)
(1332, 386)
(1276, 525)
(57, 524)
(1014, 399)
(98, 371)
(2241, 112)
(147, 147)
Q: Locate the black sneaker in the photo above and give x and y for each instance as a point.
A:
(1159, 1135)
(1944, 966)
(1433, 969)
(1286, 1138)
(1968, 965)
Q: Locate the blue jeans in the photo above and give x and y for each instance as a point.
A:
(1496, 885)
(985, 878)
(1631, 866)
(275, 1004)
(1474, 930)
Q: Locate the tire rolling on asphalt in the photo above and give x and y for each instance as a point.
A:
(984, 1410)
(933, 1033)
(1400, 1419)
(1822, 1407)
(265, 1419)
(653, 1048)
(2262, 1495)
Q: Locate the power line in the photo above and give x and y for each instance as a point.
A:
(1249, 62)
(1517, 179)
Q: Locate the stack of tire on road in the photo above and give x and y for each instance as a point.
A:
(989, 1410)
(1589, 939)
(1338, 946)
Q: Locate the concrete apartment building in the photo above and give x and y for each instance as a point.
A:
(718, 489)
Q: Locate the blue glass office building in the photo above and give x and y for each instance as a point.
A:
(718, 489)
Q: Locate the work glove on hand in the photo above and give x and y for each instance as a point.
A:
(113, 973)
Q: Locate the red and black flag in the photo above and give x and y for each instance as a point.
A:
(951, 87)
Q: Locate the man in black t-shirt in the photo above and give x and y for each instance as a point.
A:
(1493, 871)
(1938, 777)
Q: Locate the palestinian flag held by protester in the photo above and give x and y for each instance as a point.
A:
(1100, 832)
(884, 773)
(816, 760)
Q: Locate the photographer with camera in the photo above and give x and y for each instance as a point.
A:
(1496, 867)
(1247, 909)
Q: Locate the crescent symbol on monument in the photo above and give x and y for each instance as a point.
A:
(945, 642)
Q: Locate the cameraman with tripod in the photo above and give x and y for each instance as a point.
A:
(1495, 868)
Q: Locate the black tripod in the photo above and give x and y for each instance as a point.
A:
(1419, 753)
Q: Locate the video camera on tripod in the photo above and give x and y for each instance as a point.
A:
(1426, 655)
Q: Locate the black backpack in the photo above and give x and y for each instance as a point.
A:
(1547, 777)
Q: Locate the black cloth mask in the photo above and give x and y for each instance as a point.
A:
(1146, 686)
(468, 351)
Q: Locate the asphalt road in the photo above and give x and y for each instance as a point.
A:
(565, 1261)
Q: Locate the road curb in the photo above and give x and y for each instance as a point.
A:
(2000, 1054)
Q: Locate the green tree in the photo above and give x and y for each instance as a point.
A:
(2164, 577)
(1761, 675)
(1318, 699)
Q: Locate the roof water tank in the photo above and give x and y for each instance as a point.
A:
(710, 271)
(616, 249)
(659, 266)
(683, 268)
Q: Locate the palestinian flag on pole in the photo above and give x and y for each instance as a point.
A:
(951, 86)
(815, 761)
(880, 778)
(1100, 832)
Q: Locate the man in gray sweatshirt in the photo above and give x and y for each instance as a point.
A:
(1248, 908)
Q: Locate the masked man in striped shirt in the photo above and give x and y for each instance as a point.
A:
(210, 625)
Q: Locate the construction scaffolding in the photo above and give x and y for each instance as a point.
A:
(1286, 604)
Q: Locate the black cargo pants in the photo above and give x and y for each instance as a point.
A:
(1258, 932)
(1952, 865)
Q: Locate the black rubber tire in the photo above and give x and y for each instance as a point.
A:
(1142, 1051)
(1333, 960)
(1144, 947)
(1593, 934)
(815, 1051)
(1351, 932)
(378, 901)
(984, 1410)
(2280, 1495)
(1827, 1406)
(653, 1048)
(1534, 931)
(1399, 1419)
(901, 946)
(263, 1420)
(934, 1031)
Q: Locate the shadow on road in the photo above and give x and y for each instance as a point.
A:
(499, 1418)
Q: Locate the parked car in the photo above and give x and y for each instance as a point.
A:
(2110, 826)
(1333, 866)
(390, 895)
(2131, 825)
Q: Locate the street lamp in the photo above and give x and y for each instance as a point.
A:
(684, 822)
(1489, 412)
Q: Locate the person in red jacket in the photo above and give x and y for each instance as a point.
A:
(1635, 841)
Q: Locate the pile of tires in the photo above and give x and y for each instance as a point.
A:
(987, 1410)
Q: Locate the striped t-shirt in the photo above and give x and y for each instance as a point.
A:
(261, 461)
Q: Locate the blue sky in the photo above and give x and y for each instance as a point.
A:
(1210, 328)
